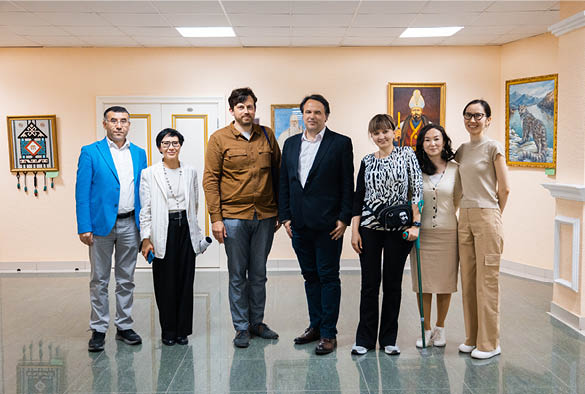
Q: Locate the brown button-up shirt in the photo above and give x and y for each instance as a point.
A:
(238, 174)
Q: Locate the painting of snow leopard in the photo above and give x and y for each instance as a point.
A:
(534, 129)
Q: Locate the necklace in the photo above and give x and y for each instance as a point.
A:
(171, 189)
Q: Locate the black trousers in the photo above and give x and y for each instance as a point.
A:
(173, 282)
(395, 250)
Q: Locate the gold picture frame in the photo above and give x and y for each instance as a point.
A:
(532, 104)
(32, 143)
(404, 97)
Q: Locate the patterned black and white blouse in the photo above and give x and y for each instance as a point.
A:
(393, 180)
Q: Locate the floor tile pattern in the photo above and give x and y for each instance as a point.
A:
(43, 345)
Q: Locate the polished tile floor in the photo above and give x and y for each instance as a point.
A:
(43, 345)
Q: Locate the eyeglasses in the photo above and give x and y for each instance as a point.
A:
(477, 116)
(166, 144)
(122, 122)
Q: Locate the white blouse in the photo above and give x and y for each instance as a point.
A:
(441, 199)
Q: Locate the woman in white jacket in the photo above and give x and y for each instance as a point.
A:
(168, 228)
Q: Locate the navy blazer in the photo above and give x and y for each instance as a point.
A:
(97, 189)
(327, 195)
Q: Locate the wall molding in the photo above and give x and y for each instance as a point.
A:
(575, 252)
(526, 271)
(566, 191)
(285, 265)
(569, 24)
(568, 318)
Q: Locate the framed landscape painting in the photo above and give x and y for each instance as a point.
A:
(531, 121)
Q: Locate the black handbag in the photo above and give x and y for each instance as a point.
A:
(393, 218)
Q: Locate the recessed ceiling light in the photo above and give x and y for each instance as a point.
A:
(206, 31)
(430, 31)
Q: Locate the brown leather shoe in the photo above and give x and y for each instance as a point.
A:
(326, 346)
(310, 335)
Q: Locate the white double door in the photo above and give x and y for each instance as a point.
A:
(195, 118)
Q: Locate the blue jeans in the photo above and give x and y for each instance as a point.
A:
(247, 245)
(318, 257)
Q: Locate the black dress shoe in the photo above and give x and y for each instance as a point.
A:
(242, 339)
(168, 342)
(310, 335)
(326, 346)
(263, 331)
(97, 341)
(129, 337)
(181, 340)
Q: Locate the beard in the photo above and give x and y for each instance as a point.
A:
(245, 121)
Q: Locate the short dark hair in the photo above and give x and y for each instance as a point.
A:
(170, 132)
(484, 104)
(319, 98)
(115, 108)
(381, 122)
(426, 165)
(240, 95)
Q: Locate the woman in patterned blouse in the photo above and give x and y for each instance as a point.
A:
(389, 177)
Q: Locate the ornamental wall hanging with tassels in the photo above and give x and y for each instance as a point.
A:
(32, 141)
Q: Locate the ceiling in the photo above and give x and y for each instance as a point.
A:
(268, 23)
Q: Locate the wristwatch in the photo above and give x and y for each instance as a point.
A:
(416, 224)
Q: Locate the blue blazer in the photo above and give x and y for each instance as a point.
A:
(97, 189)
(328, 192)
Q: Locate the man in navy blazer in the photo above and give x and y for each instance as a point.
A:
(316, 188)
(108, 206)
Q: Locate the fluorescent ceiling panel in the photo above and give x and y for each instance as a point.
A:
(204, 32)
(417, 32)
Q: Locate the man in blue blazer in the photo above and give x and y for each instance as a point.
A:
(108, 207)
(316, 189)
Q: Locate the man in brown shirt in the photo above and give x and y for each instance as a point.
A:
(241, 162)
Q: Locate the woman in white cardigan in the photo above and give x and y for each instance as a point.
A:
(169, 230)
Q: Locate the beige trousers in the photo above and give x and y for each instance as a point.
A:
(480, 247)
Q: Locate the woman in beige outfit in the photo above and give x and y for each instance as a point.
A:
(484, 181)
(438, 233)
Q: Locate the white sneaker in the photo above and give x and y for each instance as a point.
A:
(463, 348)
(392, 350)
(438, 337)
(358, 350)
(428, 339)
(485, 355)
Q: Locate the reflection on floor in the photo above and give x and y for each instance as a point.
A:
(43, 322)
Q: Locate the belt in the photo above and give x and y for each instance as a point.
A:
(126, 215)
(177, 215)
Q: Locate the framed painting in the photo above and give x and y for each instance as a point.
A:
(531, 121)
(286, 121)
(32, 143)
(414, 105)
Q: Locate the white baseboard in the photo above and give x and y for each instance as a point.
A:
(44, 266)
(568, 318)
(293, 265)
(509, 267)
(526, 271)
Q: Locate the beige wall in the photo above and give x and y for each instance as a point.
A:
(570, 150)
(66, 82)
(529, 216)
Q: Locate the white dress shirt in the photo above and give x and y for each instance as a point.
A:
(307, 155)
(125, 169)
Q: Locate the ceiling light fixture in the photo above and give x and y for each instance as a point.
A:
(206, 31)
(430, 31)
